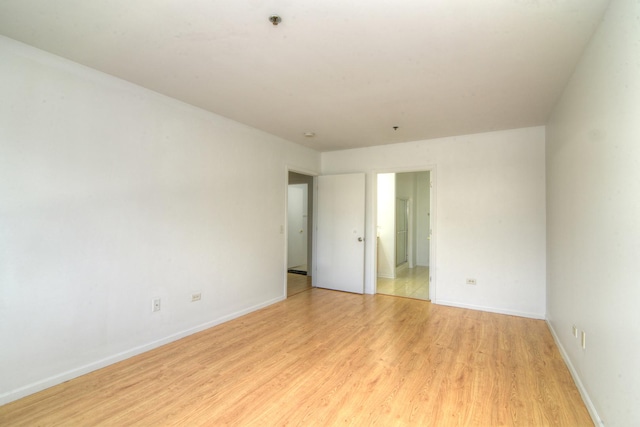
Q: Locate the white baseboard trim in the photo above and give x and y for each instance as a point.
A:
(576, 378)
(110, 360)
(402, 267)
(539, 316)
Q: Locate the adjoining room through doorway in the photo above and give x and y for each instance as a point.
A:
(404, 234)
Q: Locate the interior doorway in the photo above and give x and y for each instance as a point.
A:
(299, 232)
(404, 234)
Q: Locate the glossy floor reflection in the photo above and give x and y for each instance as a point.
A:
(297, 283)
(409, 282)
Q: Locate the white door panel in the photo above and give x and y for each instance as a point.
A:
(340, 233)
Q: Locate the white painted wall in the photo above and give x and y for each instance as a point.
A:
(423, 211)
(405, 186)
(593, 200)
(111, 195)
(489, 214)
(386, 225)
(406, 189)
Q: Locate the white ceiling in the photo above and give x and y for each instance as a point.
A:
(347, 70)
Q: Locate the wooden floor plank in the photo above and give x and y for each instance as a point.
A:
(326, 358)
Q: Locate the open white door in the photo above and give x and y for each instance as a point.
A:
(340, 233)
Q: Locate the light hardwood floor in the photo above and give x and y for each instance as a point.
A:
(297, 283)
(330, 358)
(409, 282)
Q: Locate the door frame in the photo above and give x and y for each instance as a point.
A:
(373, 268)
(371, 219)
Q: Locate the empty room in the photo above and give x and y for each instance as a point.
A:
(464, 249)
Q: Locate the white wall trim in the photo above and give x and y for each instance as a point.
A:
(301, 171)
(539, 316)
(576, 378)
(403, 266)
(99, 364)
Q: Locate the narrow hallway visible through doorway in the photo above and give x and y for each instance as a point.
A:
(299, 232)
(403, 234)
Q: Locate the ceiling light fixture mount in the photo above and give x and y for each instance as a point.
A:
(275, 19)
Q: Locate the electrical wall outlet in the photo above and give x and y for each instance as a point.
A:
(197, 296)
(155, 304)
(471, 281)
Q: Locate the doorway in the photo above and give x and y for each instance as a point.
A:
(404, 234)
(299, 232)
